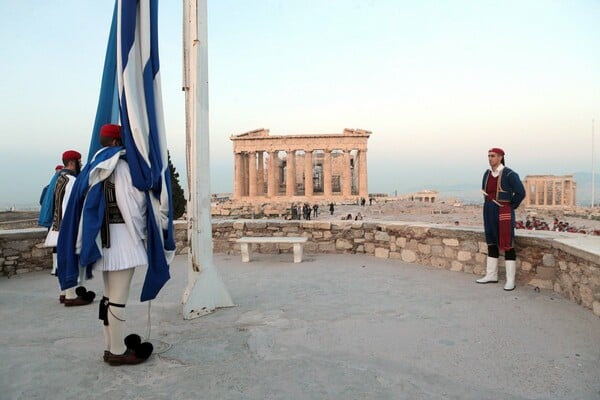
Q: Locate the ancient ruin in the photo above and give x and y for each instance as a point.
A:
(550, 191)
(300, 167)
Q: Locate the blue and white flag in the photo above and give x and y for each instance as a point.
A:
(131, 86)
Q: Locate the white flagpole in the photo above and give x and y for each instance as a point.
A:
(205, 290)
(593, 166)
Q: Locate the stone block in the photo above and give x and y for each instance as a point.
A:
(10, 252)
(256, 225)
(360, 248)
(424, 248)
(438, 262)
(395, 255)
(369, 248)
(369, 235)
(563, 265)
(327, 235)
(526, 266)
(413, 244)
(480, 257)
(450, 242)
(470, 246)
(327, 247)
(408, 255)
(325, 226)
(456, 266)
(343, 244)
(239, 225)
(437, 250)
(449, 253)
(340, 226)
(382, 236)
(463, 256)
(381, 252)
(596, 308)
(546, 273)
(433, 241)
(310, 247)
(317, 234)
(358, 233)
(21, 245)
(548, 260)
(482, 247)
(541, 283)
(401, 242)
(587, 296)
(566, 282)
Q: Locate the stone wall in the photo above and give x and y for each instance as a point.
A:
(22, 250)
(542, 262)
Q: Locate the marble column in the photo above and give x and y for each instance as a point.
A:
(363, 188)
(271, 192)
(260, 190)
(346, 175)
(308, 173)
(545, 194)
(290, 173)
(237, 176)
(252, 182)
(327, 173)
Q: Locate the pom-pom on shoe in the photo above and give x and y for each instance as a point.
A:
(84, 297)
(88, 295)
(132, 341)
(134, 356)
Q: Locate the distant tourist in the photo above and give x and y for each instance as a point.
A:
(503, 192)
(358, 217)
(331, 208)
(293, 211)
(315, 210)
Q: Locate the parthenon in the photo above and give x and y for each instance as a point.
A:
(277, 167)
(549, 191)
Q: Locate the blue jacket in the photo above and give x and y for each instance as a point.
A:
(510, 188)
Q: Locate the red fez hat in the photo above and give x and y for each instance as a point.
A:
(111, 131)
(496, 150)
(58, 167)
(71, 155)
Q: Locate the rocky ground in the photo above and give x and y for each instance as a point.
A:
(398, 210)
(452, 214)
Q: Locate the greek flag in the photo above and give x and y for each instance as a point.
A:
(130, 95)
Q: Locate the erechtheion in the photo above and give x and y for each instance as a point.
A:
(550, 191)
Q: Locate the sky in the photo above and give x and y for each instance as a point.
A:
(437, 82)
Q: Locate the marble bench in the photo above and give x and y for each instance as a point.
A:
(246, 241)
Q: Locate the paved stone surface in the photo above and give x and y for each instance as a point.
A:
(332, 327)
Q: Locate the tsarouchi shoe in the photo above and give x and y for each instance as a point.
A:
(78, 301)
(61, 299)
